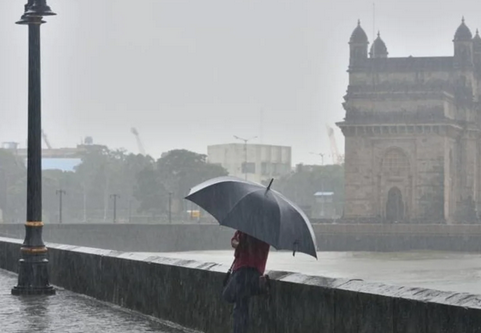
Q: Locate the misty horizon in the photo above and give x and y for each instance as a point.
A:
(188, 75)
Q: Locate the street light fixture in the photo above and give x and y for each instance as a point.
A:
(33, 276)
(130, 210)
(60, 194)
(38, 8)
(322, 185)
(170, 207)
(115, 196)
(322, 157)
(245, 152)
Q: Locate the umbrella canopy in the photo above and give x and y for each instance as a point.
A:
(257, 211)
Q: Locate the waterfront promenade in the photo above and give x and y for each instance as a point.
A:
(70, 312)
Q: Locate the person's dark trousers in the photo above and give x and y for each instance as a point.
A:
(243, 284)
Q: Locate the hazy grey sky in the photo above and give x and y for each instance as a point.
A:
(192, 73)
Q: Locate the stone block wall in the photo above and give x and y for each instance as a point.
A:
(359, 178)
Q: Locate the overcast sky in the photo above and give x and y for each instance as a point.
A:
(188, 74)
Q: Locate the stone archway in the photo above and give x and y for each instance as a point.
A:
(394, 205)
(395, 186)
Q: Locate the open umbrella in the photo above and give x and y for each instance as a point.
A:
(257, 211)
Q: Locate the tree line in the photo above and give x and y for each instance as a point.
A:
(145, 189)
(305, 180)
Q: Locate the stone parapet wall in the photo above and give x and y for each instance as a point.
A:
(189, 293)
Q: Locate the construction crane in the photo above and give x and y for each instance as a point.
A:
(140, 146)
(336, 157)
(45, 139)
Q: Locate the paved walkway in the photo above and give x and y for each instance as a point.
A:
(68, 312)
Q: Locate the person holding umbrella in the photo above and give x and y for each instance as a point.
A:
(262, 217)
(247, 277)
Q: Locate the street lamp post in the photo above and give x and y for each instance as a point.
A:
(60, 193)
(130, 210)
(170, 207)
(322, 157)
(115, 196)
(84, 202)
(4, 216)
(245, 152)
(33, 276)
(323, 198)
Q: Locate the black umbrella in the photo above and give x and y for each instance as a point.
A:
(257, 211)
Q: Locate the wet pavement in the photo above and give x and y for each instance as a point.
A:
(68, 312)
(447, 271)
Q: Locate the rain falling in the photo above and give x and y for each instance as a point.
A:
(240, 166)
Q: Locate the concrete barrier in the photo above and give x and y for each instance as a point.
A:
(189, 293)
(191, 237)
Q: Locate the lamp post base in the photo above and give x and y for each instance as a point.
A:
(33, 277)
(47, 291)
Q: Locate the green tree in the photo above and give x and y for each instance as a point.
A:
(50, 184)
(12, 186)
(104, 172)
(53, 181)
(180, 170)
(94, 175)
(16, 209)
(142, 183)
(127, 186)
(301, 184)
(150, 192)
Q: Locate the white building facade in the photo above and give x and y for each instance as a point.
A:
(259, 163)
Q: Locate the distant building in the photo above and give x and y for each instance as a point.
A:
(413, 132)
(63, 164)
(259, 162)
(12, 146)
(65, 159)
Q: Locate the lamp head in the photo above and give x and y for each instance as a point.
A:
(38, 8)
